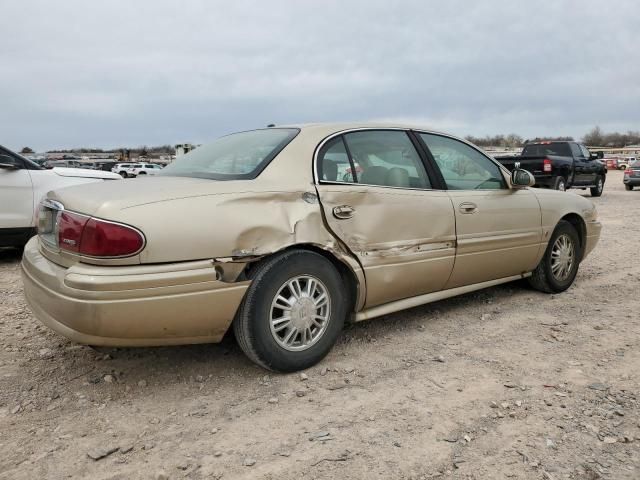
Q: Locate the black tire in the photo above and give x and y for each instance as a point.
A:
(597, 190)
(542, 277)
(252, 326)
(123, 174)
(560, 183)
(628, 187)
(142, 173)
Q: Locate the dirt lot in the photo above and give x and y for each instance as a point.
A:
(504, 383)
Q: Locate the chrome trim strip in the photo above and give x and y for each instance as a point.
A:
(317, 181)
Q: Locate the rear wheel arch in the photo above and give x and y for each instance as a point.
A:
(348, 276)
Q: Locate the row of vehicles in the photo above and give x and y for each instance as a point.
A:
(128, 170)
(619, 162)
(24, 183)
(125, 170)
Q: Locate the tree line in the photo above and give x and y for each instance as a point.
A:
(597, 137)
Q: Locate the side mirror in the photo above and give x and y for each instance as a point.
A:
(522, 178)
(7, 163)
(595, 156)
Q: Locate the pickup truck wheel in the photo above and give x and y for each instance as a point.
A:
(628, 187)
(559, 266)
(597, 190)
(560, 184)
(292, 313)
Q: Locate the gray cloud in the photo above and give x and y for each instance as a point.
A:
(116, 73)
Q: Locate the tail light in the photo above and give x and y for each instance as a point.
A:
(627, 171)
(546, 165)
(107, 239)
(90, 236)
(70, 229)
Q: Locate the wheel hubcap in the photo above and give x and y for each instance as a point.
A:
(300, 313)
(562, 257)
(561, 186)
(600, 185)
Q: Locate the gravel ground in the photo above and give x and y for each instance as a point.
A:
(503, 383)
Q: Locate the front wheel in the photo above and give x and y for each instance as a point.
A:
(123, 174)
(559, 266)
(292, 313)
(597, 190)
(628, 187)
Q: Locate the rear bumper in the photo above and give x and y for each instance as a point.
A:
(635, 181)
(545, 180)
(593, 235)
(130, 306)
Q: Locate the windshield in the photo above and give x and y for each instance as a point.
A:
(542, 149)
(233, 157)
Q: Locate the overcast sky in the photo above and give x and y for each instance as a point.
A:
(149, 72)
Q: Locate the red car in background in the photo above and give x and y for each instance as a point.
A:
(611, 163)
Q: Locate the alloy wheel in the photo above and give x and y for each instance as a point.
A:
(563, 256)
(300, 313)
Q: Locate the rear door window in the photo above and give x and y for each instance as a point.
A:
(334, 164)
(386, 158)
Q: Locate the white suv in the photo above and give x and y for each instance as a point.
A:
(143, 169)
(121, 169)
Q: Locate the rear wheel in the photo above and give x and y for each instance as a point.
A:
(559, 266)
(597, 190)
(292, 313)
(142, 173)
(560, 184)
(123, 174)
(628, 187)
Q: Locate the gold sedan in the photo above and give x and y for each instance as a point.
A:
(284, 234)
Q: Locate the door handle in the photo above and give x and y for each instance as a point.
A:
(343, 212)
(468, 207)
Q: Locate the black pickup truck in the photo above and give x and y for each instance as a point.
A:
(561, 165)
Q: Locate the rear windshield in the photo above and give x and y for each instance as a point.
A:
(560, 149)
(233, 157)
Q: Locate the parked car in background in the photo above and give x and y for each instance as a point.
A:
(632, 176)
(121, 169)
(611, 163)
(624, 162)
(143, 169)
(63, 164)
(261, 232)
(561, 165)
(22, 186)
(106, 165)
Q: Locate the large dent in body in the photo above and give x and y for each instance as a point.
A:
(276, 220)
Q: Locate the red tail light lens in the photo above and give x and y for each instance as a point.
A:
(97, 238)
(546, 165)
(627, 171)
(106, 239)
(70, 227)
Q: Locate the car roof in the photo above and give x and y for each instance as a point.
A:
(330, 128)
